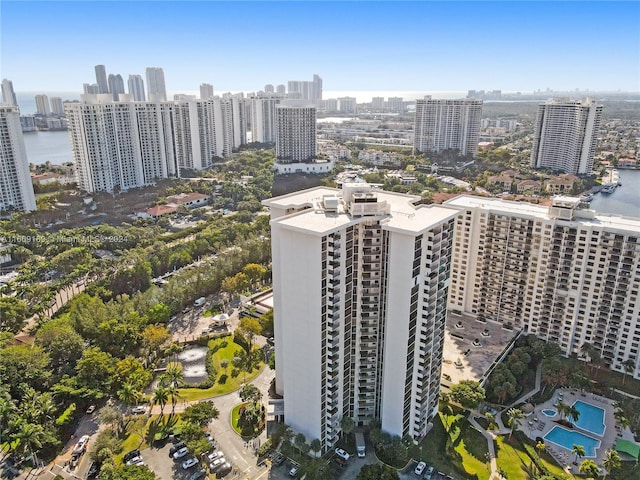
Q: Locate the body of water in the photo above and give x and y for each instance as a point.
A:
(625, 200)
(54, 147)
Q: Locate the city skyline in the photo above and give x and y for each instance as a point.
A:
(429, 46)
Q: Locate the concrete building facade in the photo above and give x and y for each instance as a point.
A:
(565, 136)
(360, 313)
(296, 132)
(135, 83)
(564, 273)
(155, 84)
(8, 94)
(447, 125)
(16, 189)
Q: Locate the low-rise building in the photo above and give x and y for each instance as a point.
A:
(189, 200)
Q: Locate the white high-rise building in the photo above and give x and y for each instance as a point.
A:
(101, 79)
(122, 144)
(360, 281)
(16, 190)
(281, 90)
(263, 117)
(42, 105)
(347, 105)
(564, 273)
(447, 125)
(311, 91)
(268, 88)
(56, 106)
(8, 95)
(235, 121)
(90, 88)
(136, 88)
(296, 132)
(155, 84)
(206, 91)
(565, 136)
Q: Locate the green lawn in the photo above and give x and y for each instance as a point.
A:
(139, 431)
(469, 448)
(514, 460)
(231, 384)
(235, 416)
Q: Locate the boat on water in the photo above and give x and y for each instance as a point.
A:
(610, 188)
(586, 197)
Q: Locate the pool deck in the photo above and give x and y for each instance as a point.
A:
(537, 424)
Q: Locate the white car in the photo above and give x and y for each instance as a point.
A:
(429, 473)
(135, 461)
(139, 409)
(216, 464)
(293, 472)
(214, 455)
(81, 446)
(187, 464)
(342, 454)
(181, 453)
(420, 468)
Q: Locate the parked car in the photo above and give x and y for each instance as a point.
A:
(181, 453)
(198, 474)
(138, 409)
(94, 468)
(91, 409)
(342, 454)
(132, 454)
(279, 459)
(176, 447)
(187, 464)
(224, 470)
(420, 468)
(135, 461)
(213, 455)
(293, 471)
(429, 473)
(81, 446)
(216, 464)
(211, 440)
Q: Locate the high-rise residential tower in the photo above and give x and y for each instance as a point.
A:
(360, 282)
(16, 190)
(56, 106)
(90, 88)
(155, 84)
(136, 88)
(263, 117)
(565, 136)
(42, 105)
(8, 95)
(564, 273)
(206, 91)
(116, 85)
(101, 79)
(310, 91)
(122, 144)
(295, 132)
(447, 125)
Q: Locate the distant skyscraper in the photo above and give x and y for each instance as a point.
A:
(268, 88)
(16, 190)
(281, 90)
(305, 90)
(42, 105)
(56, 106)
(101, 79)
(377, 103)
(296, 132)
(120, 145)
(565, 136)
(8, 95)
(361, 334)
(90, 88)
(447, 125)
(136, 88)
(347, 105)
(206, 91)
(155, 84)
(116, 85)
(263, 118)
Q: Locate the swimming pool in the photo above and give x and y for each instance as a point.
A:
(591, 418)
(568, 438)
(550, 412)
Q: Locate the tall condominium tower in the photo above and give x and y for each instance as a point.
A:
(16, 190)
(56, 106)
(360, 285)
(305, 90)
(101, 79)
(136, 88)
(116, 85)
(206, 91)
(120, 144)
(90, 88)
(281, 90)
(565, 136)
(447, 125)
(42, 105)
(566, 274)
(263, 117)
(268, 88)
(8, 95)
(295, 132)
(234, 121)
(155, 84)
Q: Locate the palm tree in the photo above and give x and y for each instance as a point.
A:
(8, 411)
(562, 408)
(28, 436)
(347, 424)
(316, 445)
(611, 462)
(174, 375)
(128, 394)
(541, 447)
(579, 452)
(446, 410)
(629, 366)
(573, 414)
(160, 397)
(514, 415)
(589, 467)
(174, 393)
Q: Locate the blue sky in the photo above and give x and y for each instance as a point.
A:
(402, 46)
